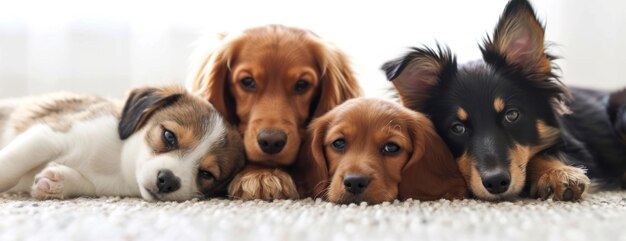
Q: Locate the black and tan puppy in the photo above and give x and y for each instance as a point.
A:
(509, 121)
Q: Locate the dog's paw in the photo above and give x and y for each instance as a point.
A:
(561, 184)
(263, 184)
(48, 184)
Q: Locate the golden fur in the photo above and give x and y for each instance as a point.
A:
(422, 169)
(275, 57)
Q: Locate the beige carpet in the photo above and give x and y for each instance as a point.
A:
(601, 216)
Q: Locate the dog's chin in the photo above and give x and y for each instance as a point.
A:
(149, 195)
(511, 194)
(347, 198)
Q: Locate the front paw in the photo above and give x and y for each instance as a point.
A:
(561, 184)
(48, 184)
(264, 184)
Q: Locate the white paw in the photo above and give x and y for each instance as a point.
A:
(48, 184)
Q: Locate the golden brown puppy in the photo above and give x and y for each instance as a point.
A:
(271, 81)
(371, 150)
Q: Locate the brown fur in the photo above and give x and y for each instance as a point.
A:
(462, 114)
(275, 57)
(498, 104)
(551, 178)
(187, 117)
(423, 169)
(61, 110)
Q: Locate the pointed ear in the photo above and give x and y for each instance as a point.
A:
(141, 104)
(209, 79)
(518, 41)
(431, 172)
(416, 75)
(311, 170)
(337, 80)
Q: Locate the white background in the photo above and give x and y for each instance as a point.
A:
(106, 47)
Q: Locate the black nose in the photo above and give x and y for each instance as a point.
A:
(271, 141)
(355, 184)
(496, 182)
(167, 182)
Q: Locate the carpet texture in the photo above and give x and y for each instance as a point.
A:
(601, 216)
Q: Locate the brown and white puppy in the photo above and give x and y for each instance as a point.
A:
(271, 81)
(371, 150)
(162, 144)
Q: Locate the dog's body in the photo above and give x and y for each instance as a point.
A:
(593, 133)
(66, 145)
(502, 116)
(371, 150)
(270, 81)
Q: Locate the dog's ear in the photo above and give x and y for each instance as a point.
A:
(431, 172)
(141, 104)
(337, 81)
(311, 170)
(209, 79)
(416, 75)
(518, 40)
(518, 48)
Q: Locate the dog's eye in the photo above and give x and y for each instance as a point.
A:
(205, 174)
(391, 148)
(301, 86)
(169, 138)
(511, 116)
(248, 83)
(458, 129)
(339, 145)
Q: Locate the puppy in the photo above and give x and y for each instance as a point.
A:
(162, 144)
(501, 116)
(270, 81)
(370, 150)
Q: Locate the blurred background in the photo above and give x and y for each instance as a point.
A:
(106, 47)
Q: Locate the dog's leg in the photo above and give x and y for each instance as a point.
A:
(265, 183)
(57, 181)
(551, 178)
(31, 149)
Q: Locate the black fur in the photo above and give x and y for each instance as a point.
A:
(593, 136)
(134, 114)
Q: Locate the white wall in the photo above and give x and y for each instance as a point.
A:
(106, 47)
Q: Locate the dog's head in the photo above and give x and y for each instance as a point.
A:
(369, 150)
(496, 113)
(270, 81)
(181, 145)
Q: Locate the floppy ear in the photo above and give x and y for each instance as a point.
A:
(338, 83)
(417, 75)
(210, 78)
(311, 172)
(431, 172)
(141, 104)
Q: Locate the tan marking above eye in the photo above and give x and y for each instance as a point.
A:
(462, 114)
(498, 104)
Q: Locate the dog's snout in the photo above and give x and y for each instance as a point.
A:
(167, 182)
(355, 184)
(497, 182)
(271, 141)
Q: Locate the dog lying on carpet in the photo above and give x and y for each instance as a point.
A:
(162, 144)
(370, 150)
(505, 117)
(271, 81)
